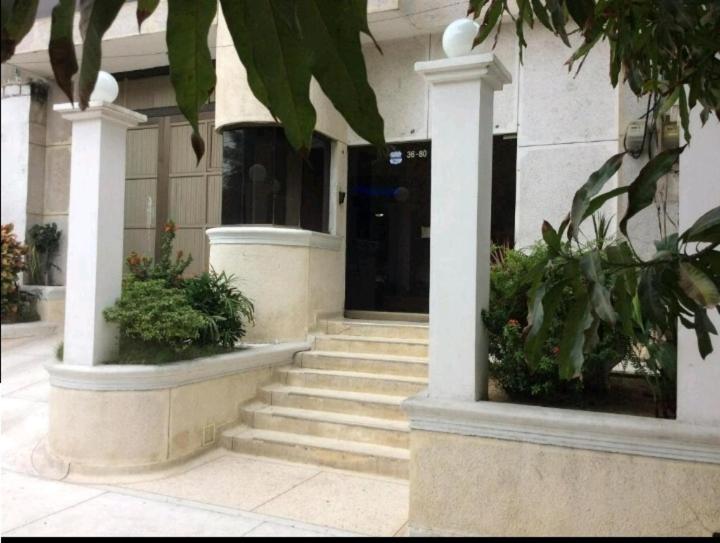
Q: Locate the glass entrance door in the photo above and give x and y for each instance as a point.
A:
(388, 228)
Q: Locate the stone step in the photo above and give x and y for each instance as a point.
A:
(336, 453)
(368, 363)
(371, 345)
(386, 316)
(374, 383)
(391, 433)
(375, 328)
(337, 401)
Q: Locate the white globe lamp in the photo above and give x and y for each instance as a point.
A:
(457, 40)
(106, 88)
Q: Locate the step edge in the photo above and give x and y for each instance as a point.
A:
(288, 438)
(327, 416)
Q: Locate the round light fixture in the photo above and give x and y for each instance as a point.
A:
(457, 40)
(106, 88)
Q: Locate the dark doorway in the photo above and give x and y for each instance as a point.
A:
(388, 228)
(388, 223)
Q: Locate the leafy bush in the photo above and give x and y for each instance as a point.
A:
(151, 312)
(511, 280)
(164, 317)
(13, 262)
(225, 306)
(43, 244)
(144, 268)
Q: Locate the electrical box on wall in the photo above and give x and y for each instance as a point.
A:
(635, 136)
(670, 135)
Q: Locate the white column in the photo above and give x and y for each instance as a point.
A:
(461, 118)
(698, 399)
(95, 228)
(16, 105)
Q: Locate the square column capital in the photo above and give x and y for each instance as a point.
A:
(486, 68)
(103, 111)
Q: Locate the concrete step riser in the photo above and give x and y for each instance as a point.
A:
(355, 384)
(392, 467)
(333, 430)
(350, 407)
(370, 347)
(387, 367)
(376, 330)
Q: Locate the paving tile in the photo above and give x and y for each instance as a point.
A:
(27, 499)
(346, 502)
(36, 392)
(272, 529)
(129, 516)
(235, 482)
(24, 424)
(28, 371)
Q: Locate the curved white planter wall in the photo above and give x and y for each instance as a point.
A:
(291, 275)
(112, 419)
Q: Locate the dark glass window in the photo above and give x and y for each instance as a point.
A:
(265, 181)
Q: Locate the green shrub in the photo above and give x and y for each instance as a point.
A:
(13, 262)
(511, 279)
(166, 269)
(164, 317)
(151, 312)
(225, 306)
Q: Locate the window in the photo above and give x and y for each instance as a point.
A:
(265, 181)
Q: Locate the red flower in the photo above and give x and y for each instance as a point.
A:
(556, 351)
(513, 322)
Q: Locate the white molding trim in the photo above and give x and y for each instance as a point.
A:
(272, 235)
(486, 67)
(112, 377)
(101, 110)
(572, 428)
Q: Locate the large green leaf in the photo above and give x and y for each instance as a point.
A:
(61, 48)
(578, 320)
(145, 8)
(277, 63)
(705, 229)
(17, 20)
(591, 266)
(475, 7)
(331, 32)
(192, 73)
(542, 14)
(698, 286)
(492, 16)
(581, 11)
(542, 306)
(624, 305)
(597, 202)
(642, 190)
(703, 328)
(596, 181)
(551, 237)
(96, 16)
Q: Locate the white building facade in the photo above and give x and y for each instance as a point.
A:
(365, 217)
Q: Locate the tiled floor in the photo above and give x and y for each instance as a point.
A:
(219, 494)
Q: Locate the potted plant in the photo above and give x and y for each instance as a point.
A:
(43, 244)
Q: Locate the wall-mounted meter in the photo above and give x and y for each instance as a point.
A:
(670, 135)
(635, 136)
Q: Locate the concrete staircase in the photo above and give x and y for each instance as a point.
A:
(339, 404)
